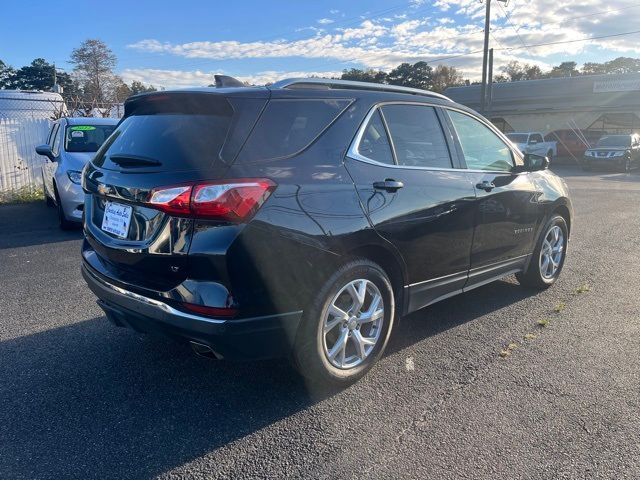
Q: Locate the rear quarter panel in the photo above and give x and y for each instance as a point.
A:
(307, 227)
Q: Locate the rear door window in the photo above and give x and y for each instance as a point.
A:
(289, 126)
(417, 136)
(374, 143)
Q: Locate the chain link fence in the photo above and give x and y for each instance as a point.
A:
(25, 121)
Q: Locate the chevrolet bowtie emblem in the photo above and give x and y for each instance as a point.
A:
(103, 189)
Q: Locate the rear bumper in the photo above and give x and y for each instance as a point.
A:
(243, 338)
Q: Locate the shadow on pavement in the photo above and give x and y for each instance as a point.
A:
(94, 401)
(32, 223)
(596, 173)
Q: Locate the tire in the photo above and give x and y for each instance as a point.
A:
(626, 168)
(535, 276)
(49, 201)
(313, 347)
(62, 219)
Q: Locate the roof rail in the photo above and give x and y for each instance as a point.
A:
(351, 84)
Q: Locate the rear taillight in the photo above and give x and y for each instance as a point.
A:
(231, 200)
(174, 200)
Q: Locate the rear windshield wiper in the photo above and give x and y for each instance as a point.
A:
(134, 161)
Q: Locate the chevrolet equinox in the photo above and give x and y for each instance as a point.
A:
(305, 218)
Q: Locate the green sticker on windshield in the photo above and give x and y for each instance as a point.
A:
(82, 128)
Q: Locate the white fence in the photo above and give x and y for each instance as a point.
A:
(20, 165)
(25, 120)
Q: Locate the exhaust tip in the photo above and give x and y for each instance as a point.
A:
(205, 351)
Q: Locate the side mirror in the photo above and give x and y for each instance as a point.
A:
(45, 150)
(535, 163)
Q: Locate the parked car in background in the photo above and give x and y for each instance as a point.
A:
(573, 143)
(614, 151)
(533, 142)
(71, 143)
(302, 219)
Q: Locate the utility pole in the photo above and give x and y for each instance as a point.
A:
(490, 86)
(485, 54)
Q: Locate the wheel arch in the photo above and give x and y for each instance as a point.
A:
(564, 212)
(390, 263)
(56, 194)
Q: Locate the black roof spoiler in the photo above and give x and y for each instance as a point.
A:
(227, 81)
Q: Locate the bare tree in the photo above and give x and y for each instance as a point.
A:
(444, 77)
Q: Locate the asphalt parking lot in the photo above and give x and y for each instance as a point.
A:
(80, 398)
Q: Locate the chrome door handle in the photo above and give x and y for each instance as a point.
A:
(486, 186)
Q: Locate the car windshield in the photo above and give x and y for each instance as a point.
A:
(86, 138)
(518, 137)
(615, 141)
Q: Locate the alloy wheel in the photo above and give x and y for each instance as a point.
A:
(353, 323)
(551, 252)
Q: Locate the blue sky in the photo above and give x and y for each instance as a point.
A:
(184, 43)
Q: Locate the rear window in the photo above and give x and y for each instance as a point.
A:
(518, 137)
(289, 126)
(166, 141)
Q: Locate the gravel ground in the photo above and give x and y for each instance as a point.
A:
(80, 398)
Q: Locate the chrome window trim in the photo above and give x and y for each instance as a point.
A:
(354, 154)
(461, 273)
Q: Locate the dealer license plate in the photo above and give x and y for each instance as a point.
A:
(116, 219)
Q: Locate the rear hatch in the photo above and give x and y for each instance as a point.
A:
(142, 176)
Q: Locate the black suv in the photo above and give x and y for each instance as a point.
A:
(618, 151)
(303, 219)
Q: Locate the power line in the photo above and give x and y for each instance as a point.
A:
(561, 42)
(564, 20)
(500, 48)
(514, 27)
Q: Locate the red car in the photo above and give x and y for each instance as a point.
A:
(571, 143)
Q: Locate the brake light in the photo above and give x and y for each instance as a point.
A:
(234, 200)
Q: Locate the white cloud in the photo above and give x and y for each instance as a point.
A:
(409, 37)
(367, 29)
(198, 78)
